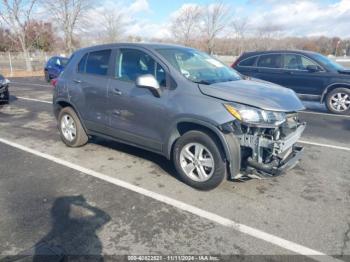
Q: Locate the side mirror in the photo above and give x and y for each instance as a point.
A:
(312, 68)
(149, 82)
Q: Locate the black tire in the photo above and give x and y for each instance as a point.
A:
(47, 77)
(81, 137)
(209, 142)
(6, 99)
(329, 100)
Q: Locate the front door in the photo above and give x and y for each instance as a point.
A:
(302, 81)
(137, 116)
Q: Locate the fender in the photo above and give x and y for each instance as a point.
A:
(230, 144)
(57, 101)
(325, 91)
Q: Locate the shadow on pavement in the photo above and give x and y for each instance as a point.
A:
(73, 235)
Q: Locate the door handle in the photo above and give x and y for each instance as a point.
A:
(116, 91)
(77, 81)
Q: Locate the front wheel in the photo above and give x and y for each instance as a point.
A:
(5, 97)
(198, 160)
(71, 130)
(338, 101)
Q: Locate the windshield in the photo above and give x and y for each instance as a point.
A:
(328, 62)
(199, 67)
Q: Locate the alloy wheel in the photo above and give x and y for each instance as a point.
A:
(197, 162)
(68, 127)
(340, 102)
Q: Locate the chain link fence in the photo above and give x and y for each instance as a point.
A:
(14, 63)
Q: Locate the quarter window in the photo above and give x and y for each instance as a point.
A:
(270, 61)
(248, 62)
(133, 63)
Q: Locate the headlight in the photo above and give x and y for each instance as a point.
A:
(4, 81)
(252, 115)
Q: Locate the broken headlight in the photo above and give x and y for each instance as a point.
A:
(255, 116)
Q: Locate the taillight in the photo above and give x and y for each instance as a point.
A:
(54, 82)
(235, 62)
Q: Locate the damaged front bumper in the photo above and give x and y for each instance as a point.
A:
(269, 151)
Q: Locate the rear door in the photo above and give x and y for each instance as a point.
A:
(298, 78)
(91, 82)
(269, 68)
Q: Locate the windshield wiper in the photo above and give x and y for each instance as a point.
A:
(203, 82)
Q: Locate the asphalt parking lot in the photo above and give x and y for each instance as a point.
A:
(115, 199)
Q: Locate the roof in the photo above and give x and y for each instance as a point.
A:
(144, 45)
(279, 51)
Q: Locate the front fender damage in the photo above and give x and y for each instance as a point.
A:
(267, 151)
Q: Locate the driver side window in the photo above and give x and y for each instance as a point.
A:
(132, 63)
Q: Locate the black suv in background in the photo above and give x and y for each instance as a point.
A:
(311, 75)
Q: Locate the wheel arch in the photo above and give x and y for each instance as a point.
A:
(62, 103)
(229, 145)
(331, 87)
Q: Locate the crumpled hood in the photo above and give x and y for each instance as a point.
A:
(254, 92)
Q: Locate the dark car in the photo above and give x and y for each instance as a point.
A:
(4, 90)
(311, 75)
(54, 67)
(180, 103)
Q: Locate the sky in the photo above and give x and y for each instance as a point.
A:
(151, 18)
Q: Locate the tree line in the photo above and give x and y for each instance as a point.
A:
(212, 28)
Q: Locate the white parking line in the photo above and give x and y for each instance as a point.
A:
(33, 99)
(29, 84)
(256, 233)
(324, 145)
(325, 114)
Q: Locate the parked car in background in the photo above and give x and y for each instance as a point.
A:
(4, 90)
(54, 67)
(180, 103)
(311, 75)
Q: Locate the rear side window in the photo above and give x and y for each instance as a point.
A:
(97, 62)
(250, 61)
(270, 61)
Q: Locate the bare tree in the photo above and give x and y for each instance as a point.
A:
(113, 24)
(215, 21)
(67, 13)
(16, 15)
(185, 25)
(240, 27)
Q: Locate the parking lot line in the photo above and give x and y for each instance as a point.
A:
(324, 145)
(253, 232)
(33, 99)
(326, 114)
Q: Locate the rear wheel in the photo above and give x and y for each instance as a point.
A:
(338, 101)
(198, 160)
(71, 130)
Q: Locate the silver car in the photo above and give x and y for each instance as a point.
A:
(183, 104)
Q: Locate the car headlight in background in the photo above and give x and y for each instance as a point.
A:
(252, 115)
(4, 81)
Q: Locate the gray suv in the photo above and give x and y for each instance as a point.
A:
(183, 104)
